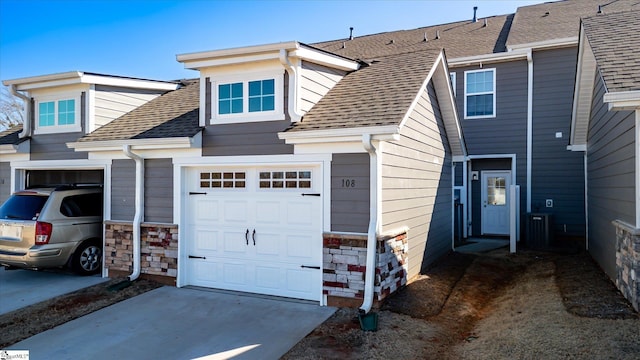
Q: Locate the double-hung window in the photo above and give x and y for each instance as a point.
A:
(480, 93)
(254, 97)
(57, 114)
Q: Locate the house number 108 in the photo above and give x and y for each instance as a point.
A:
(348, 183)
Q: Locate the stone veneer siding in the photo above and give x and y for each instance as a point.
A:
(344, 265)
(628, 262)
(158, 248)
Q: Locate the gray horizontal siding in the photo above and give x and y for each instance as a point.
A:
(5, 181)
(417, 184)
(557, 174)
(158, 194)
(54, 147)
(610, 177)
(350, 204)
(123, 180)
(315, 82)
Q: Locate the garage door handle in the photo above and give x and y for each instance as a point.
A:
(253, 236)
(246, 236)
(196, 257)
(310, 267)
(311, 194)
(197, 193)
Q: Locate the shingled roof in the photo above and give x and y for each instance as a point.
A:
(615, 42)
(10, 136)
(377, 95)
(461, 39)
(174, 114)
(559, 20)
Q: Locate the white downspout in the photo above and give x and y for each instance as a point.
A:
(293, 86)
(26, 126)
(529, 125)
(139, 209)
(372, 233)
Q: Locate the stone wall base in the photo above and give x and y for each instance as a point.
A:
(628, 262)
(158, 249)
(344, 267)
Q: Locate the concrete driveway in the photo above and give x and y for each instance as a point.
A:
(20, 288)
(173, 323)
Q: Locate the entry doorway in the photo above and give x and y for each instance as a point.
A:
(495, 202)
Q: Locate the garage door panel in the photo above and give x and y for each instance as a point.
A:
(288, 235)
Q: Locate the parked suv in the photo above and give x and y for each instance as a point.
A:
(53, 227)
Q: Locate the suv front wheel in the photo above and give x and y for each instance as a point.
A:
(87, 258)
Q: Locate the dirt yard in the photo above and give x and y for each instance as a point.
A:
(495, 306)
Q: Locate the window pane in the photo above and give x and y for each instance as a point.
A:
(236, 106)
(268, 87)
(66, 112)
(254, 104)
(268, 103)
(224, 91)
(236, 90)
(480, 105)
(46, 116)
(224, 107)
(255, 88)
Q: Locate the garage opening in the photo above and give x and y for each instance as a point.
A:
(42, 178)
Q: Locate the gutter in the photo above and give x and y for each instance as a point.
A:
(293, 86)
(26, 126)
(374, 222)
(139, 209)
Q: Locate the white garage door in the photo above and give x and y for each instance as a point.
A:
(256, 230)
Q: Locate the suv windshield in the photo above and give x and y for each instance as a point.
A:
(22, 207)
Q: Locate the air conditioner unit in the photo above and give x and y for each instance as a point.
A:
(539, 227)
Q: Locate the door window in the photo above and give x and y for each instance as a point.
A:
(496, 191)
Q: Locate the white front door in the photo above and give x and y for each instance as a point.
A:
(495, 202)
(256, 230)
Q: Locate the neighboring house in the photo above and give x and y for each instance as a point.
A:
(62, 108)
(328, 171)
(606, 127)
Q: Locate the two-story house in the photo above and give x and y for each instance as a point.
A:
(328, 171)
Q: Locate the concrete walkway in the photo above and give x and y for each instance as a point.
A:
(481, 245)
(20, 288)
(173, 323)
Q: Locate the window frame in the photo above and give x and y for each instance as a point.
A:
(246, 116)
(453, 78)
(493, 93)
(56, 127)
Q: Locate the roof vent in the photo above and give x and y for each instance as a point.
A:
(475, 18)
(344, 45)
(351, 33)
(599, 9)
(425, 37)
(437, 34)
(391, 41)
(485, 22)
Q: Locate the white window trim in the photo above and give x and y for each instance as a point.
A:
(494, 93)
(453, 79)
(56, 129)
(246, 116)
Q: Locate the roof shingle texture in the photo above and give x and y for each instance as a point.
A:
(558, 20)
(615, 41)
(174, 114)
(377, 95)
(10, 136)
(461, 39)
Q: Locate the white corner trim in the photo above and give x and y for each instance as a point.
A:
(637, 160)
(625, 100)
(529, 127)
(545, 44)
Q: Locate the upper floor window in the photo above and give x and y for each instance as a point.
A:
(253, 97)
(479, 93)
(57, 115)
(452, 78)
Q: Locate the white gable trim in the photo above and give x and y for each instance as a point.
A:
(626, 100)
(583, 93)
(79, 77)
(139, 144)
(546, 44)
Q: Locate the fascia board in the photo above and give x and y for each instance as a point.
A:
(204, 63)
(583, 91)
(43, 78)
(129, 83)
(546, 44)
(140, 144)
(489, 58)
(348, 134)
(21, 148)
(624, 100)
(323, 58)
(196, 56)
(8, 149)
